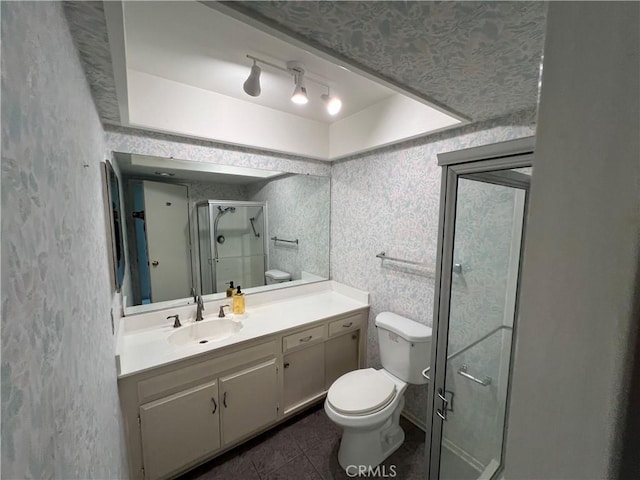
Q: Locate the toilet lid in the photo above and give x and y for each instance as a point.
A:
(361, 392)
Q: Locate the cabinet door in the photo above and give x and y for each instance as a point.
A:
(341, 356)
(303, 375)
(249, 400)
(179, 429)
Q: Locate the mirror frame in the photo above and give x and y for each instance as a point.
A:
(113, 223)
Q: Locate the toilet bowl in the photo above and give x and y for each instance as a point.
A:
(371, 424)
(367, 403)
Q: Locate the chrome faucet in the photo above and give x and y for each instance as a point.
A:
(199, 308)
(176, 320)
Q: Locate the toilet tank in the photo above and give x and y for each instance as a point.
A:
(405, 346)
(276, 276)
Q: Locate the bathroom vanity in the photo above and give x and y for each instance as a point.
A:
(193, 392)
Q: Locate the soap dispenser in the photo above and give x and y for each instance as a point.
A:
(231, 290)
(238, 302)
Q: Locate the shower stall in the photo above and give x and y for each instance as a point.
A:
(231, 244)
(481, 237)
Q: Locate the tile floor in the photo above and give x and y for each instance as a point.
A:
(306, 447)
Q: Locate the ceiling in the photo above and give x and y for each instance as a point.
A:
(478, 59)
(199, 46)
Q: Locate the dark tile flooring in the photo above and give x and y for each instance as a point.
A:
(306, 447)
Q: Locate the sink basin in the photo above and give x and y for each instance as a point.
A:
(205, 331)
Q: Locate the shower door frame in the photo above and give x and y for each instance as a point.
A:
(212, 215)
(500, 156)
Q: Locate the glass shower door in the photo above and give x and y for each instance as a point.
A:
(205, 255)
(238, 239)
(477, 311)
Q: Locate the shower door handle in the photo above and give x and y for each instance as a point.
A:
(442, 413)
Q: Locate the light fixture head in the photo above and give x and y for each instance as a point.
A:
(252, 84)
(299, 95)
(333, 104)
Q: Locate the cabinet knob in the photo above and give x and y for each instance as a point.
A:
(286, 365)
(306, 339)
(224, 399)
(354, 336)
(347, 325)
(155, 263)
(215, 405)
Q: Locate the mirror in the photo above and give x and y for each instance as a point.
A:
(113, 217)
(195, 225)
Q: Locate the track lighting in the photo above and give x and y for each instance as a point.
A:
(299, 96)
(252, 85)
(333, 104)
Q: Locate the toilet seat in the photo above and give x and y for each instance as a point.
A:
(361, 392)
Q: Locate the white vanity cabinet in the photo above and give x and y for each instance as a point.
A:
(314, 358)
(179, 429)
(182, 413)
(341, 355)
(303, 376)
(249, 401)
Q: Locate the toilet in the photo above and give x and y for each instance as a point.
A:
(367, 403)
(276, 276)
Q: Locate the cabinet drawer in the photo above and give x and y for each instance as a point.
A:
(346, 324)
(173, 381)
(306, 337)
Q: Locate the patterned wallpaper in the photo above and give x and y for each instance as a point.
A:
(298, 208)
(60, 409)
(480, 59)
(388, 201)
(89, 31)
(142, 142)
(199, 191)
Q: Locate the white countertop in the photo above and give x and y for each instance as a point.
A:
(143, 340)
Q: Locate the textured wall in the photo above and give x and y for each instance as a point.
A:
(199, 191)
(298, 208)
(141, 142)
(60, 412)
(389, 200)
